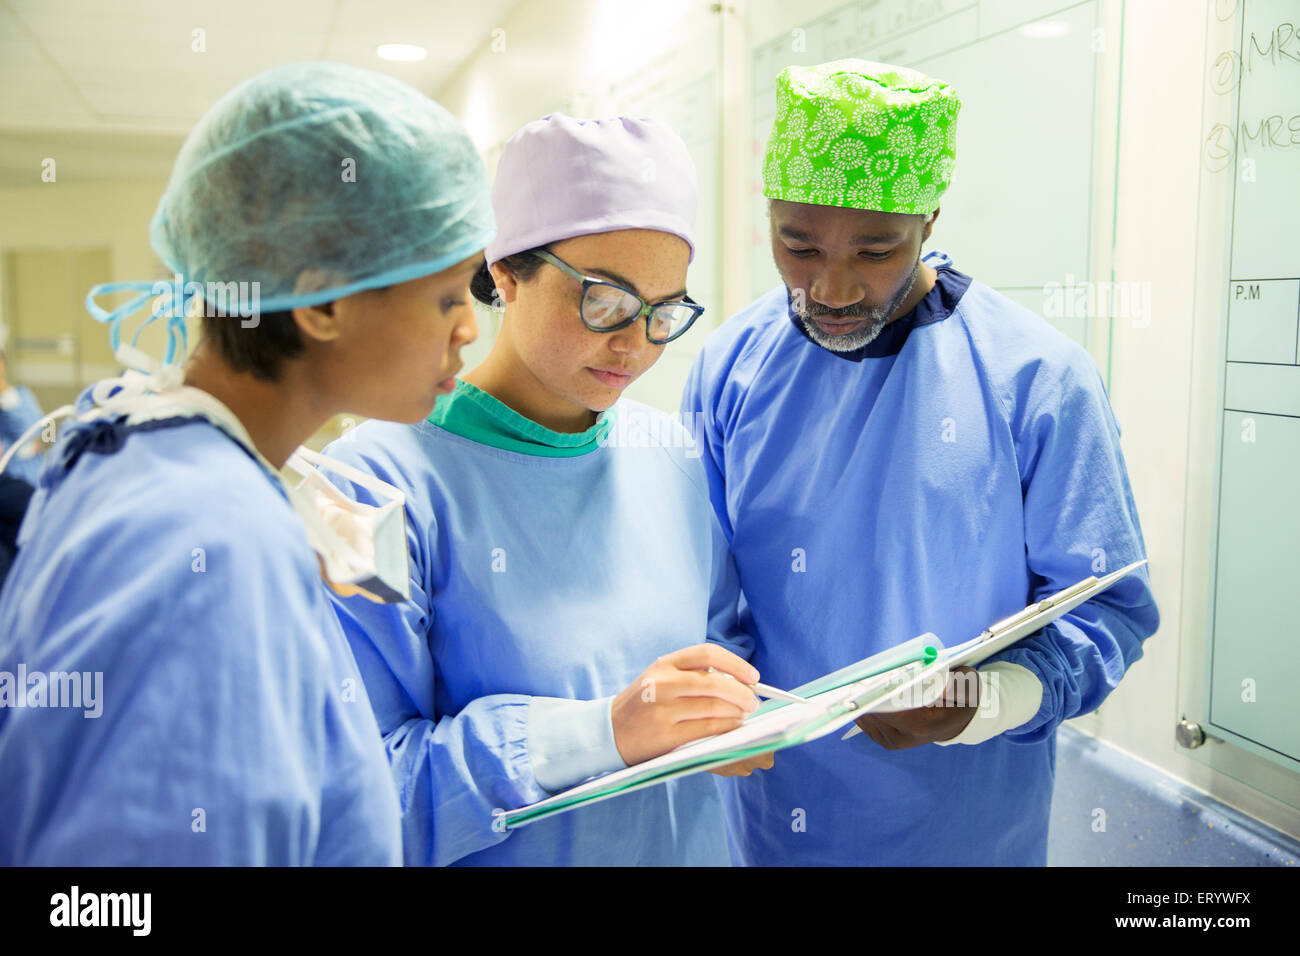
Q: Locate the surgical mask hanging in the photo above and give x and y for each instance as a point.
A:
(362, 548)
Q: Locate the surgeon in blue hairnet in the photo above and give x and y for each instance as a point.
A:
(174, 686)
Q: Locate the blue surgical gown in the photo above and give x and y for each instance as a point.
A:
(233, 727)
(540, 588)
(958, 467)
(25, 413)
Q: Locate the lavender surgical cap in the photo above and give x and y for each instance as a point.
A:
(561, 177)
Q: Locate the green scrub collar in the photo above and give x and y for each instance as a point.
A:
(472, 413)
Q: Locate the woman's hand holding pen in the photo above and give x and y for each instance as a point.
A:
(676, 700)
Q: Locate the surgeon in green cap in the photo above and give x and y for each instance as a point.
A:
(894, 448)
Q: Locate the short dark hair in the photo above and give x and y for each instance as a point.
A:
(523, 265)
(259, 350)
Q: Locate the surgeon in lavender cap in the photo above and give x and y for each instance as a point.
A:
(571, 585)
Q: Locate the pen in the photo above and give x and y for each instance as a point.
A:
(763, 690)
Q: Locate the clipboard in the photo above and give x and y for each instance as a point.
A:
(1023, 623)
(1034, 617)
(908, 675)
(832, 701)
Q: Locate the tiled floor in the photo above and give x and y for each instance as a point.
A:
(1110, 809)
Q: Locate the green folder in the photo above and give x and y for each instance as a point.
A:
(834, 700)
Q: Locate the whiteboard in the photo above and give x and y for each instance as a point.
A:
(1254, 645)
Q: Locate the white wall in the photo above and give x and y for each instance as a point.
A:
(60, 216)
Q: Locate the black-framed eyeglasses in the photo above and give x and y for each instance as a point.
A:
(608, 307)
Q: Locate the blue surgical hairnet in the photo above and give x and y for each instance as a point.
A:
(314, 180)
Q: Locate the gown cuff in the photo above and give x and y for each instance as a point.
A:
(570, 740)
(1018, 694)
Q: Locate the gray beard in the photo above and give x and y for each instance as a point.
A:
(876, 320)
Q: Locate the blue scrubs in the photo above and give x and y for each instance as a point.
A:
(961, 465)
(229, 725)
(541, 587)
(14, 421)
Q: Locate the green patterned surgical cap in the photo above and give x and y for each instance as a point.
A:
(861, 134)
